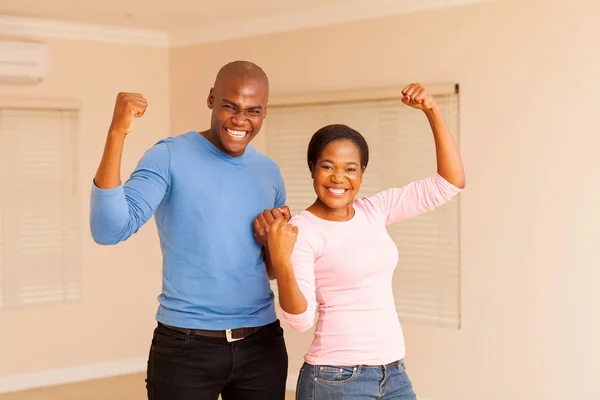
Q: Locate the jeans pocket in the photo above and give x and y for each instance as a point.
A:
(167, 341)
(335, 375)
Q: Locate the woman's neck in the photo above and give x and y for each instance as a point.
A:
(341, 214)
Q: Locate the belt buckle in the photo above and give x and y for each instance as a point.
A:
(229, 337)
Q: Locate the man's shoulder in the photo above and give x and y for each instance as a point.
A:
(179, 139)
(181, 144)
(262, 158)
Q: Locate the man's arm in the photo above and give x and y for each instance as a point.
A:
(128, 107)
(267, 257)
(118, 211)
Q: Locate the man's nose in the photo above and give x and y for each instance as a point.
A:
(240, 117)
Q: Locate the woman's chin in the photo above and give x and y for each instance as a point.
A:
(334, 204)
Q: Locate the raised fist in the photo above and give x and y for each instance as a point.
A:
(417, 97)
(128, 107)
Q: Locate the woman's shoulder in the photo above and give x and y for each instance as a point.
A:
(309, 234)
(303, 220)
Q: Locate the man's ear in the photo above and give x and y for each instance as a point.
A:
(211, 98)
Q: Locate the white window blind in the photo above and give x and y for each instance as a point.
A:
(39, 254)
(426, 281)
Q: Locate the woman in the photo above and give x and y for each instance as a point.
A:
(337, 255)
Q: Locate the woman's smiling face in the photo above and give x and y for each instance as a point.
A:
(337, 176)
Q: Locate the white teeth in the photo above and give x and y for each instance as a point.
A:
(236, 134)
(336, 191)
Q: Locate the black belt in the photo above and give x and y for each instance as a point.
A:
(230, 334)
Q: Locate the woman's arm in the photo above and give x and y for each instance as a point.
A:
(418, 197)
(449, 164)
(281, 240)
(262, 225)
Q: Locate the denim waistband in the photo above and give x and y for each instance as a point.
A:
(359, 367)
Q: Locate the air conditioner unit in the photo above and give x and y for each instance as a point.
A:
(22, 62)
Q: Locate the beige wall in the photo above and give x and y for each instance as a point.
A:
(528, 74)
(114, 318)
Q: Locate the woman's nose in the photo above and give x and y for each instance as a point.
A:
(337, 177)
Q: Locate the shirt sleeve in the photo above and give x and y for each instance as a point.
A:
(416, 198)
(118, 213)
(303, 261)
(281, 197)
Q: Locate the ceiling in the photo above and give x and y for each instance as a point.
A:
(197, 21)
(157, 14)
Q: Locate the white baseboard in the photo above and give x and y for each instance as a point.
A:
(33, 380)
(16, 382)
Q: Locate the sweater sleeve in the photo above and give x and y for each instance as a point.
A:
(303, 261)
(118, 213)
(416, 198)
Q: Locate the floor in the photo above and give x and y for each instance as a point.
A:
(126, 387)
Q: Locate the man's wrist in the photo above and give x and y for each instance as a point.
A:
(114, 134)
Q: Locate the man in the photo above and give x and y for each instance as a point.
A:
(217, 329)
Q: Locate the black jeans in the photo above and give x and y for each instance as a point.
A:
(188, 367)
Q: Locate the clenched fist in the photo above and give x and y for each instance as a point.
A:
(128, 107)
(417, 97)
(262, 223)
(280, 242)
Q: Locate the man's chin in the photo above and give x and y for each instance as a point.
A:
(235, 147)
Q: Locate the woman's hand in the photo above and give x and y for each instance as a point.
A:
(416, 96)
(262, 223)
(280, 242)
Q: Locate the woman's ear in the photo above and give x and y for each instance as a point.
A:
(311, 166)
(362, 172)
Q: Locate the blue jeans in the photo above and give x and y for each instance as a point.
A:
(327, 382)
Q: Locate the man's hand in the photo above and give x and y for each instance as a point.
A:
(128, 107)
(262, 223)
(285, 212)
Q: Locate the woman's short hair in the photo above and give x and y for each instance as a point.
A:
(331, 133)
